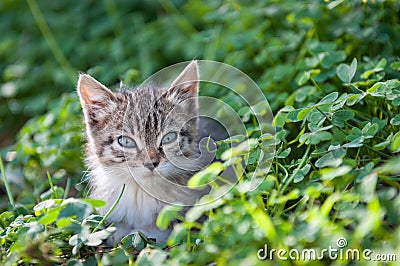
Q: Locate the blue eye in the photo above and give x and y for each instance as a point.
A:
(126, 142)
(169, 137)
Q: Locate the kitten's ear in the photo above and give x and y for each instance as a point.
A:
(186, 85)
(93, 94)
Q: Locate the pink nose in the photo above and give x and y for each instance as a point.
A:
(153, 161)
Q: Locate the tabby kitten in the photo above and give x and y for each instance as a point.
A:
(144, 138)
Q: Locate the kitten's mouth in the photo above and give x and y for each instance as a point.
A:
(151, 165)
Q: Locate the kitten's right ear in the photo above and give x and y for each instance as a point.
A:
(93, 95)
(186, 86)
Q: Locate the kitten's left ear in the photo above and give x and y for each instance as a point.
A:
(186, 85)
(92, 93)
(97, 101)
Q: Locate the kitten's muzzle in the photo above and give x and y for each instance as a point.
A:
(153, 162)
(151, 165)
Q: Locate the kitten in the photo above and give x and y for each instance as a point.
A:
(146, 139)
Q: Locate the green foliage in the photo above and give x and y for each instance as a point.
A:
(54, 230)
(330, 71)
(337, 188)
(53, 141)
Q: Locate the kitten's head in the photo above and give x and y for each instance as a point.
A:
(149, 129)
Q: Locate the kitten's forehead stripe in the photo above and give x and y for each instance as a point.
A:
(144, 114)
(149, 113)
(128, 124)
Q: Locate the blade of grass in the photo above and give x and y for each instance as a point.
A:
(3, 174)
(51, 185)
(110, 210)
(67, 188)
(49, 37)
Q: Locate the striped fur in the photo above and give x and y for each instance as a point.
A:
(145, 114)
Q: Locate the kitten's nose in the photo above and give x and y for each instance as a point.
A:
(151, 164)
(153, 161)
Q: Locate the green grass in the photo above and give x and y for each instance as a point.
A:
(330, 71)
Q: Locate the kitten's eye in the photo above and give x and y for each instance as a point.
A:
(126, 142)
(169, 137)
